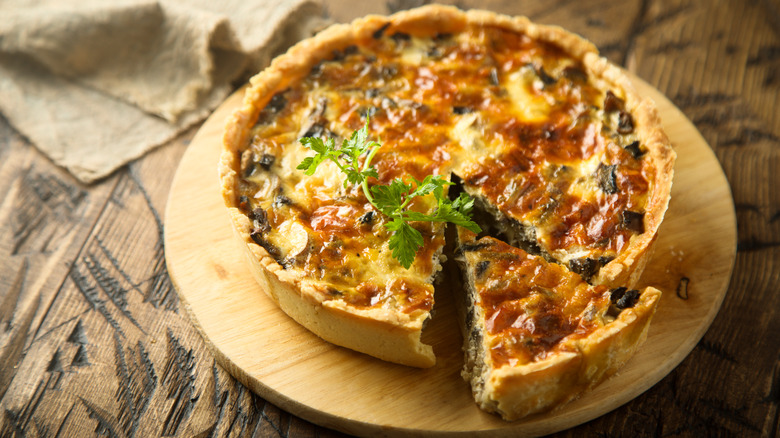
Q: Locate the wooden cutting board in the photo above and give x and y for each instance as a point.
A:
(337, 388)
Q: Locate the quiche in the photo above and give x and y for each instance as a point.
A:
(537, 334)
(569, 168)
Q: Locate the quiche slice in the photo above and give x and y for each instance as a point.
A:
(564, 157)
(537, 335)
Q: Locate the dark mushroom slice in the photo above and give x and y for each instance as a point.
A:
(315, 124)
(260, 220)
(249, 169)
(575, 74)
(339, 55)
(549, 207)
(607, 178)
(460, 110)
(613, 103)
(352, 49)
(635, 150)
(481, 267)
(334, 292)
(277, 103)
(472, 246)
(388, 72)
(545, 77)
(434, 53)
(247, 163)
(316, 70)
(632, 220)
(588, 267)
(281, 200)
(622, 298)
(493, 76)
(258, 237)
(585, 267)
(626, 300)
(400, 36)
(625, 123)
(379, 33)
(366, 218)
(316, 130)
(266, 161)
(244, 203)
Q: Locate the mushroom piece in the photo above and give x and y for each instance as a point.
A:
(297, 238)
(607, 178)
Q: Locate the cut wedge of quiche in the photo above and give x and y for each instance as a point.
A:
(568, 166)
(537, 334)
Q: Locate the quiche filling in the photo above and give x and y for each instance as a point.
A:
(529, 313)
(528, 133)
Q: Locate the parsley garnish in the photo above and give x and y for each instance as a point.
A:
(392, 199)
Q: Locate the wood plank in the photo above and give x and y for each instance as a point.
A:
(47, 215)
(110, 353)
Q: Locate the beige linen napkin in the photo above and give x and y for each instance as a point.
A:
(96, 84)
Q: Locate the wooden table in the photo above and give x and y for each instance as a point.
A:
(93, 338)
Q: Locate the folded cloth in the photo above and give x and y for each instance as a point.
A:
(96, 84)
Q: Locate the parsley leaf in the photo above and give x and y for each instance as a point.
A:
(392, 199)
(346, 157)
(404, 242)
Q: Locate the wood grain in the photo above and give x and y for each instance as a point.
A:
(355, 393)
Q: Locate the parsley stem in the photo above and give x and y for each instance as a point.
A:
(364, 184)
(402, 208)
(370, 158)
(367, 192)
(339, 165)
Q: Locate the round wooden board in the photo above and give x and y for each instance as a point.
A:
(337, 388)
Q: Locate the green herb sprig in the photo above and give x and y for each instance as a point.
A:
(392, 199)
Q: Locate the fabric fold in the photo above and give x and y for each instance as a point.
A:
(95, 85)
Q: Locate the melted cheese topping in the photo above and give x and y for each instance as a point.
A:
(537, 310)
(528, 102)
(516, 119)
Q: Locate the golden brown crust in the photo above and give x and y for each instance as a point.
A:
(395, 336)
(626, 269)
(515, 392)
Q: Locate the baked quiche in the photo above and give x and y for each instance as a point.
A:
(537, 334)
(566, 164)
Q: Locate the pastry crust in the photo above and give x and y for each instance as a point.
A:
(391, 329)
